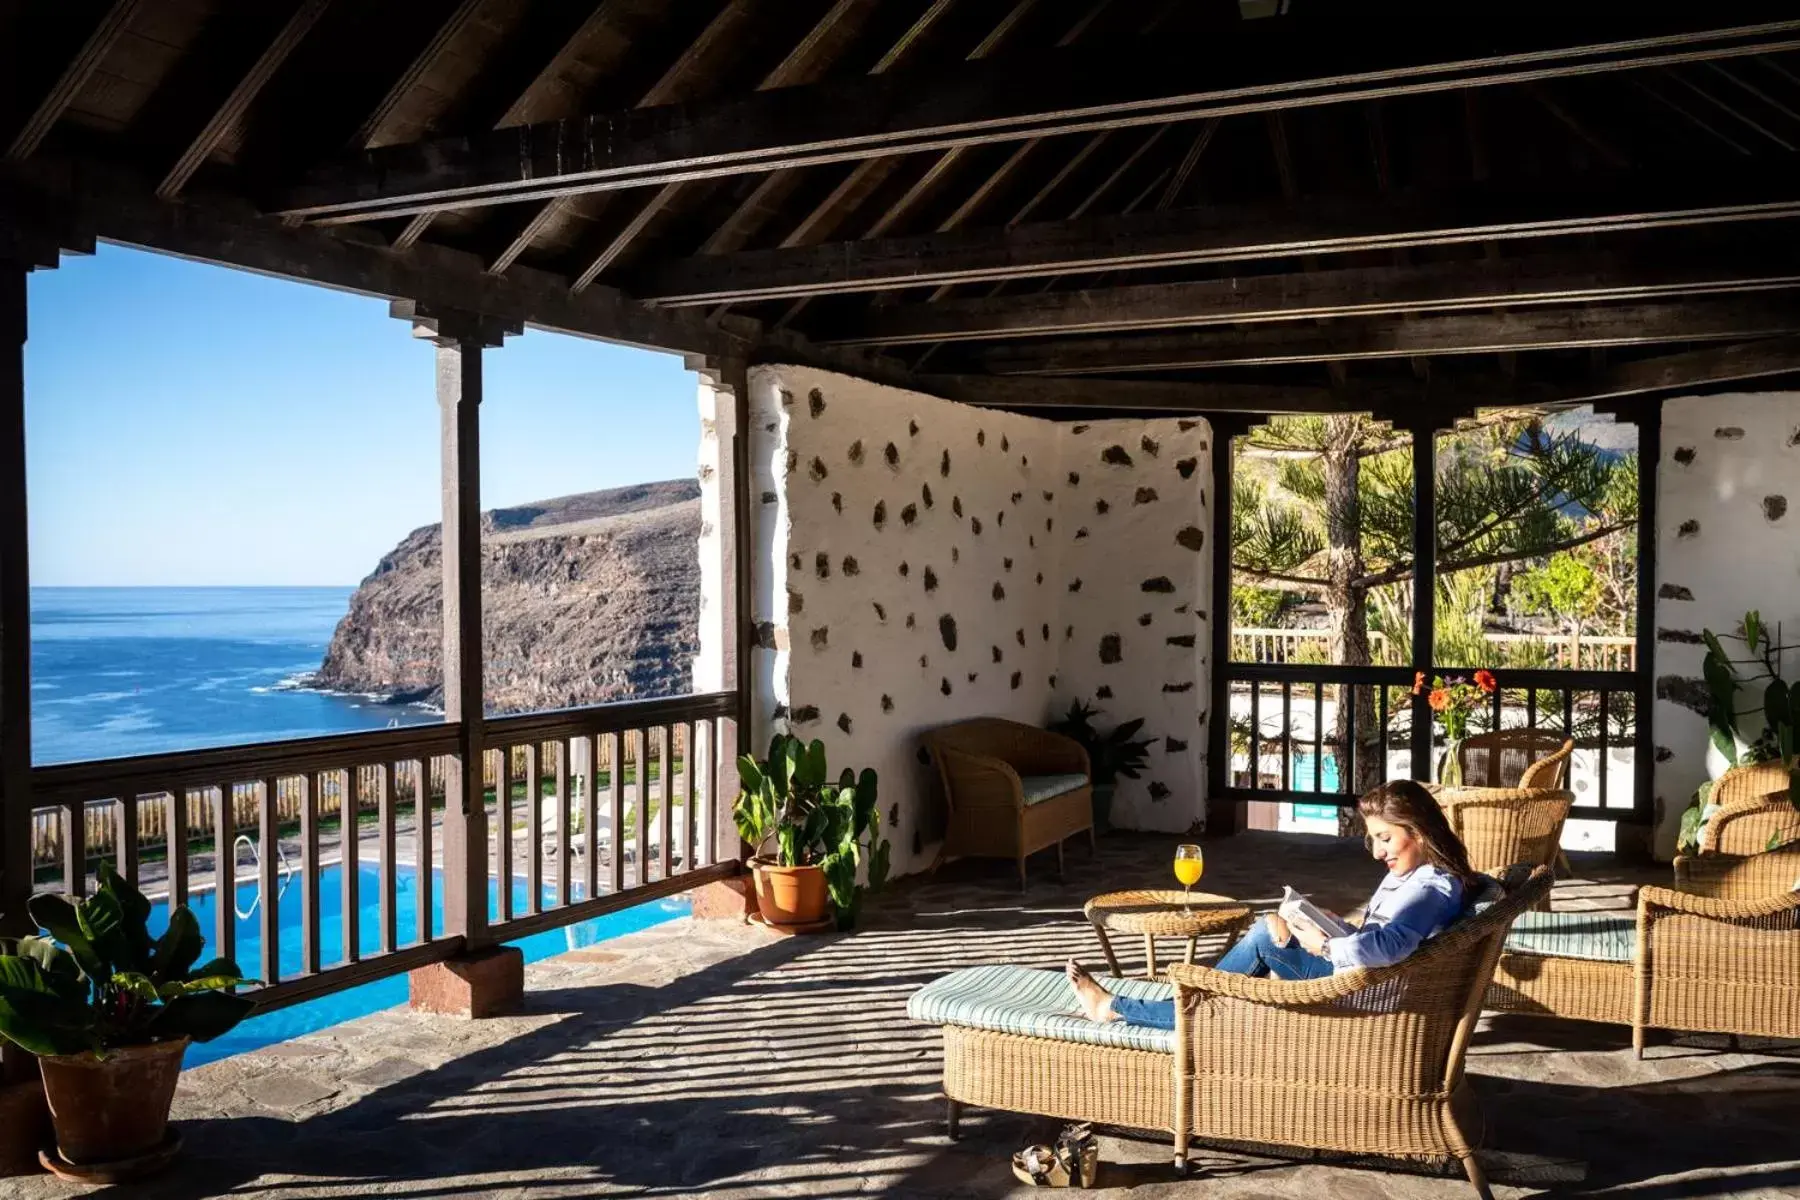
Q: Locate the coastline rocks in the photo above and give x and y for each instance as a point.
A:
(586, 599)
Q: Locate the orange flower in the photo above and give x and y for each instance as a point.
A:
(1485, 681)
(1440, 699)
(1418, 682)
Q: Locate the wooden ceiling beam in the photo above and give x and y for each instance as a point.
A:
(1693, 368)
(1400, 337)
(1335, 58)
(1233, 234)
(991, 392)
(1301, 295)
(73, 78)
(416, 70)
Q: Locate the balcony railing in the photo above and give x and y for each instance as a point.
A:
(1251, 645)
(589, 810)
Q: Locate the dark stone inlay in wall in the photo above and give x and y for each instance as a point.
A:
(1150, 445)
(1068, 633)
(1103, 692)
(1017, 676)
(880, 513)
(880, 612)
(973, 676)
(999, 592)
(1017, 496)
(1032, 541)
(796, 602)
(781, 711)
(1687, 529)
(1075, 585)
(1684, 455)
(981, 437)
(793, 461)
(1052, 681)
(805, 714)
(1144, 619)
(815, 402)
(925, 494)
(817, 471)
(1191, 538)
(821, 637)
(1181, 639)
(1020, 635)
(843, 722)
(912, 427)
(944, 686)
(998, 656)
(1187, 467)
(947, 631)
(856, 659)
(1006, 564)
(1159, 790)
(837, 501)
(1664, 754)
(1144, 495)
(1081, 534)
(931, 580)
(944, 465)
(956, 506)
(1111, 650)
(975, 526)
(1049, 524)
(891, 452)
(1116, 455)
(1005, 446)
(1794, 437)
(1074, 478)
(794, 560)
(1178, 687)
(1728, 433)
(887, 703)
(1102, 507)
(1774, 507)
(1181, 608)
(894, 815)
(905, 570)
(851, 566)
(1685, 636)
(909, 514)
(1046, 631)
(787, 398)
(1159, 584)
(822, 565)
(1000, 519)
(1685, 690)
(1080, 428)
(956, 554)
(912, 621)
(924, 662)
(768, 497)
(1673, 591)
(1049, 496)
(1173, 745)
(1040, 578)
(765, 634)
(856, 452)
(1184, 425)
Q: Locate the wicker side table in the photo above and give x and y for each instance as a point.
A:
(1161, 913)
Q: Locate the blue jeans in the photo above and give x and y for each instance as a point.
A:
(1254, 954)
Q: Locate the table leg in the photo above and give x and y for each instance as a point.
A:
(1112, 961)
(1189, 959)
(1149, 956)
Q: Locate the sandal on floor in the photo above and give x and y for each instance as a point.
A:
(1039, 1166)
(1079, 1152)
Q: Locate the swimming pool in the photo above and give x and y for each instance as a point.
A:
(326, 1011)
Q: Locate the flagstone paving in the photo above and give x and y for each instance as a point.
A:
(708, 1058)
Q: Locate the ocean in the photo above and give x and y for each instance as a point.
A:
(124, 671)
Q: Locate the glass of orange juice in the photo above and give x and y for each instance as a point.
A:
(1189, 865)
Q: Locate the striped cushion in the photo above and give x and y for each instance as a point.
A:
(1039, 788)
(1598, 937)
(1010, 999)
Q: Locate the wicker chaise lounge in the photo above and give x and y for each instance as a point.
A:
(1012, 790)
(1720, 953)
(1366, 1061)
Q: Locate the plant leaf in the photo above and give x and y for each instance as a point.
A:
(202, 1017)
(1752, 629)
(179, 947)
(58, 915)
(1715, 649)
(1725, 744)
(102, 919)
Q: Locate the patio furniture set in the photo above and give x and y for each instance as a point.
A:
(1371, 1061)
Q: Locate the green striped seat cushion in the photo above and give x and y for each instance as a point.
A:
(1598, 937)
(1039, 788)
(1009, 999)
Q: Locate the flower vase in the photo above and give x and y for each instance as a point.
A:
(1450, 765)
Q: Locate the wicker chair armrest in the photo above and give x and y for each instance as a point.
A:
(1205, 982)
(1712, 907)
(980, 781)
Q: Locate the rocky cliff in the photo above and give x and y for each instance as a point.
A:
(585, 599)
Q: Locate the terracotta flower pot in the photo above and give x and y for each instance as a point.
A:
(789, 895)
(107, 1109)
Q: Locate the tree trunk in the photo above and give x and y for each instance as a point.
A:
(1347, 604)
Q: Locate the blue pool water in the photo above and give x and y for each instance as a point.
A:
(329, 1010)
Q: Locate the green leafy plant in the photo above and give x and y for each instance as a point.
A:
(788, 799)
(1110, 755)
(1779, 739)
(100, 981)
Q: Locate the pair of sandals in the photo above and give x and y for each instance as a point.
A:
(1073, 1162)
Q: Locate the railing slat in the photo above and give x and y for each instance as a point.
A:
(1255, 733)
(386, 780)
(1600, 761)
(269, 884)
(691, 795)
(1347, 777)
(1287, 734)
(311, 788)
(565, 813)
(590, 816)
(615, 804)
(75, 849)
(1382, 692)
(225, 873)
(178, 847)
(534, 831)
(641, 803)
(350, 863)
(665, 795)
(503, 868)
(426, 876)
(126, 842)
(1319, 736)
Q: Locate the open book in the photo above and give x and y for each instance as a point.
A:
(1297, 909)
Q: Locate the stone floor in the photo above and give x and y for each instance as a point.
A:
(712, 1059)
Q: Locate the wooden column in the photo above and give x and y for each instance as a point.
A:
(15, 615)
(460, 339)
(1223, 816)
(1424, 620)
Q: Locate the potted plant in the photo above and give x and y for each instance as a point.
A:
(1766, 730)
(1110, 755)
(1454, 698)
(109, 1011)
(823, 834)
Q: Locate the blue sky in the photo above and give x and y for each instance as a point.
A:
(192, 425)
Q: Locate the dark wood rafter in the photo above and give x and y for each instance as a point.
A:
(1694, 368)
(1221, 234)
(1060, 91)
(226, 117)
(422, 64)
(73, 79)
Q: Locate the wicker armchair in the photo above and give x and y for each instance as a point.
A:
(1515, 758)
(1720, 953)
(1753, 810)
(985, 765)
(1502, 826)
(1366, 1061)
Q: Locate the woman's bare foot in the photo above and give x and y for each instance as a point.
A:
(1095, 1001)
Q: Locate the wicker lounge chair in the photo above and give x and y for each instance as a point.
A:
(1366, 1061)
(1753, 811)
(1012, 790)
(1720, 953)
(1502, 826)
(1515, 758)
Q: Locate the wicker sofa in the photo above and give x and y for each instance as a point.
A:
(1751, 811)
(1365, 1061)
(1719, 953)
(1012, 790)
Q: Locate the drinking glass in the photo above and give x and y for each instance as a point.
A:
(1189, 865)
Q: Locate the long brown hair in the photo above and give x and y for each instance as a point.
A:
(1404, 803)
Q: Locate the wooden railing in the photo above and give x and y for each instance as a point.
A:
(620, 802)
(1252, 645)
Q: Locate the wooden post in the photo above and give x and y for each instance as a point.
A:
(1424, 617)
(1222, 815)
(15, 615)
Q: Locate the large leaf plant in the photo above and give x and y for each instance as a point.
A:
(1779, 706)
(100, 981)
(789, 801)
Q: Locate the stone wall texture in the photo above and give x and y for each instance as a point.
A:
(921, 561)
(1725, 543)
